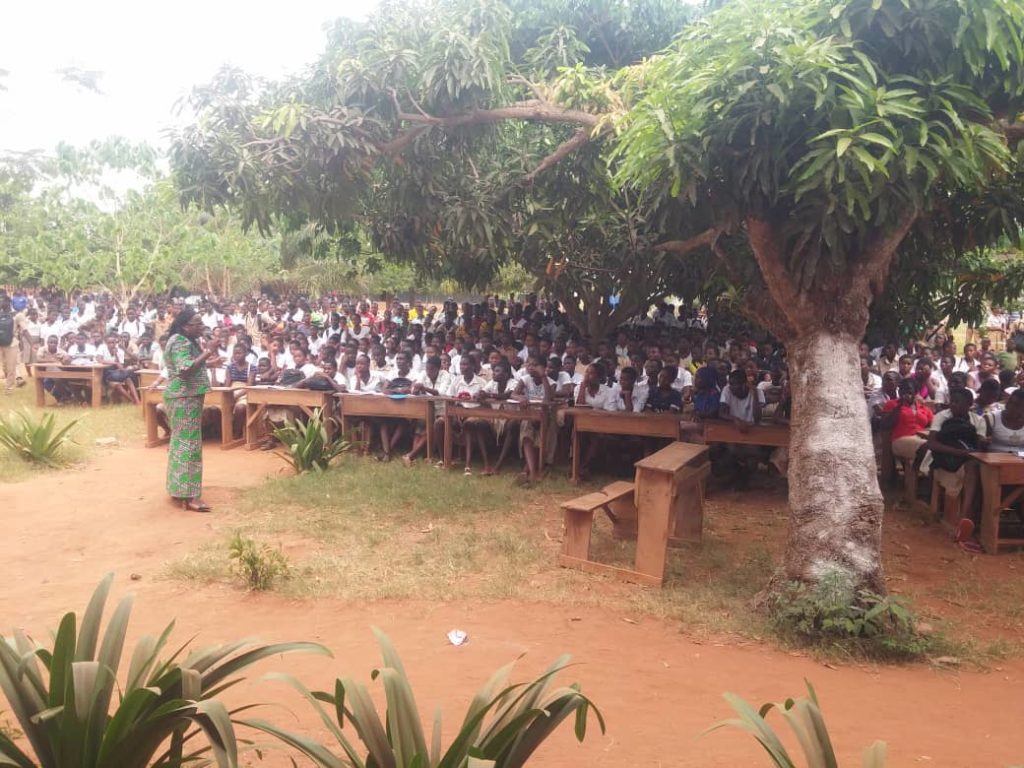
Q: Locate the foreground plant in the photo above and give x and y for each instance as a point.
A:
(37, 441)
(258, 565)
(309, 446)
(518, 720)
(61, 695)
(803, 715)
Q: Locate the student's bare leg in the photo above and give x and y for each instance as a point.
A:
(531, 458)
(385, 439)
(419, 442)
(482, 433)
(467, 435)
(133, 393)
(397, 434)
(506, 446)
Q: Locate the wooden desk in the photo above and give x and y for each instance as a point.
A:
(722, 431)
(222, 398)
(998, 471)
(599, 421)
(454, 409)
(148, 377)
(258, 399)
(420, 407)
(90, 374)
(666, 505)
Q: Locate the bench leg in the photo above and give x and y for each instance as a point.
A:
(578, 525)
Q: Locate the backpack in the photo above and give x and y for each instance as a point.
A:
(956, 433)
(6, 329)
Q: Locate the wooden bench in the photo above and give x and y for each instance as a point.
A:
(666, 503)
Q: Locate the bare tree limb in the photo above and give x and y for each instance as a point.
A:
(566, 148)
(682, 247)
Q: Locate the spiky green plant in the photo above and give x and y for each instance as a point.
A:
(502, 728)
(803, 715)
(258, 565)
(309, 446)
(35, 440)
(61, 695)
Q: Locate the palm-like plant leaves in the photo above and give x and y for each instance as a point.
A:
(62, 696)
(522, 716)
(39, 442)
(310, 446)
(804, 718)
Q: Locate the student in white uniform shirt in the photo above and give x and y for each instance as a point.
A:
(629, 397)
(435, 382)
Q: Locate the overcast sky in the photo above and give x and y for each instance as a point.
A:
(150, 54)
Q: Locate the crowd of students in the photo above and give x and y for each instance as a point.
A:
(499, 351)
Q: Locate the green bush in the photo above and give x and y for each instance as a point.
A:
(36, 441)
(259, 566)
(501, 729)
(832, 613)
(803, 715)
(309, 446)
(61, 695)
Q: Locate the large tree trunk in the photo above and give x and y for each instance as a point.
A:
(835, 503)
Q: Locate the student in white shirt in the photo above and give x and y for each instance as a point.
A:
(629, 397)
(592, 392)
(435, 382)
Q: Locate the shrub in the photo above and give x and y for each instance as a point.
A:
(831, 612)
(61, 695)
(35, 441)
(518, 720)
(309, 446)
(804, 718)
(259, 566)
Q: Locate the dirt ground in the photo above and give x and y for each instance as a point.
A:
(658, 688)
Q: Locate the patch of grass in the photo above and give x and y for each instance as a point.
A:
(259, 566)
(123, 422)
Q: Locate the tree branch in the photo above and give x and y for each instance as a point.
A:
(566, 148)
(790, 304)
(682, 247)
(531, 109)
(870, 275)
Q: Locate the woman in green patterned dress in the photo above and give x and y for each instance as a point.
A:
(187, 382)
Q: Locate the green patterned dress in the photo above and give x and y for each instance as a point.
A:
(183, 400)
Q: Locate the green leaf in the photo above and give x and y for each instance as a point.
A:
(842, 145)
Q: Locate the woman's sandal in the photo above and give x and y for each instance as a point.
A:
(468, 472)
(196, 505)
(971, 547)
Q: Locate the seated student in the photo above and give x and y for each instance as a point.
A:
(683, 380)
(561, 380)
(569, 366)
(466, 386)
(742, 403)
(1006, 426)
(364, 381)
(989, 398)
(393, 430)
(954, 434)
(906, 367)
(872, 381)
(59, 388)
(928, 385)
(498, 390)
(593, 393)
(1008, 381)
(664, 398)
(625, 393)
(907, 416)
(988, 369)
(119, 377)
(538, 387)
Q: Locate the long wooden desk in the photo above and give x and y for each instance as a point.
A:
(222, 398)
(420, 407)
(599, 421)
(999, 471)
(90, 374)
(722, 431)
(454, 409)
(258, 399)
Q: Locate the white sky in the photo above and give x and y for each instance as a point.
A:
(150, 53)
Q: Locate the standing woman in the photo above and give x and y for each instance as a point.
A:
(187, 382)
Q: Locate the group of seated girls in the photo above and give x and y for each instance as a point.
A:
(937, 415)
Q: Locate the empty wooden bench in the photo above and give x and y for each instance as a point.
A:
(666, 502)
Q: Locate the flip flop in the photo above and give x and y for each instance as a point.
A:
(971, 547)
(963, 531)
(467, 472)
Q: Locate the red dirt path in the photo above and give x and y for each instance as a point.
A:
(657, 688)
